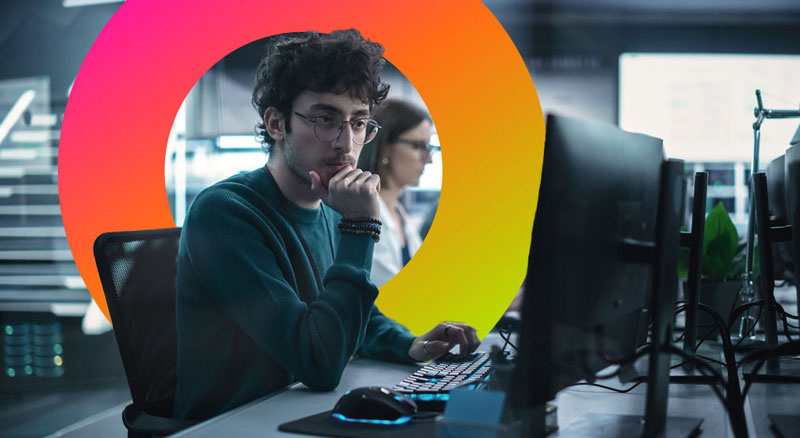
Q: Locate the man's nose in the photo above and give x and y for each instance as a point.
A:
(344, 142)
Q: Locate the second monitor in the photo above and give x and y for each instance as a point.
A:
(604, 247)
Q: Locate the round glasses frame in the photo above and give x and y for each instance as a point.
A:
(324, 130)
(422, 146)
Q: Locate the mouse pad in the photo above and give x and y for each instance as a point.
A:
(323, 425)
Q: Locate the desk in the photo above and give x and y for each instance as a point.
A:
(261, 417)
(685, 400)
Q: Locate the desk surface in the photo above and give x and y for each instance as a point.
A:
(261, 417)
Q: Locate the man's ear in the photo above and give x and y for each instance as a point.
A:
(275, 123)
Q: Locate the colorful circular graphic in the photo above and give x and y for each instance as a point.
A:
(459, 58)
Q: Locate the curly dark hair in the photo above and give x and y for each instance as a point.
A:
(339, 62)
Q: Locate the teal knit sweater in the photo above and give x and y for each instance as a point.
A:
(250, 316)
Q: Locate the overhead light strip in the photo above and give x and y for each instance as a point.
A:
(16, 112)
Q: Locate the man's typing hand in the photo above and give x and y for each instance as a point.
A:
(441, 339)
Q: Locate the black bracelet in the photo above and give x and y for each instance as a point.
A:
(362, 220)
(374, 227)
(370, 229)
(375, 236)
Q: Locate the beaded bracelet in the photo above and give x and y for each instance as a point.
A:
(375, 235)
(362, 220)
(370, 228)
(373, 227)
(361, 227)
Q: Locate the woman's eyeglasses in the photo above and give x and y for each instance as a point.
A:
(422, 146)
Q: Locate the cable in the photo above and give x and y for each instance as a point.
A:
(505, 344)
(642, 351)
(711, 359)
(782, 310)
(705, 338)
(623, 391)
(734, 402)
(702, 365)
(786, 326)
(507, 338)
(761, 355)
(738, 311)
(786, 321)
(704, 369)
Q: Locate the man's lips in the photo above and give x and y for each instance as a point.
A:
(339, 165)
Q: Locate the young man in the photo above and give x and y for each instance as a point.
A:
(273, 265)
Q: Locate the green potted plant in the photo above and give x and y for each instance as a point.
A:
(722, 267)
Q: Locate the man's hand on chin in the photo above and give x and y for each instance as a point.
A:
(352, 192)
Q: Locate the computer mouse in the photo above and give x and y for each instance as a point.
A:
(374, 404)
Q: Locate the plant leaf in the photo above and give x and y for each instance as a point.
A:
(720, 242)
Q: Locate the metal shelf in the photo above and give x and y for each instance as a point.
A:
(37, 272)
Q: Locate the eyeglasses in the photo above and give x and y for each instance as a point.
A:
(422, 146)
(329, 127)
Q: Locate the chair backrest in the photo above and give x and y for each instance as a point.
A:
(138, 270)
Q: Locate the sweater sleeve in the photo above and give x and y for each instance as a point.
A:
(386, 339)
(243, 264)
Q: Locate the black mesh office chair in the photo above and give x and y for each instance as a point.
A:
(137, 270)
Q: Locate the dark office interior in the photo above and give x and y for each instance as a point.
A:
(71, 381)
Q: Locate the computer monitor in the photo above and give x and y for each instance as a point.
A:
(694, 242)
(606, 231)
(792, 196)
(781, 251)
(776, 370)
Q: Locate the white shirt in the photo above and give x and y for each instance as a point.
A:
(387, 259)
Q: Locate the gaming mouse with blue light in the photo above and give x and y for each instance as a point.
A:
(374, 404)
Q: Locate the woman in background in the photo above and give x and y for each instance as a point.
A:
(398, 154)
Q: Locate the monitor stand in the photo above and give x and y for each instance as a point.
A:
(787, 372)
(683, 374)
(785, 426)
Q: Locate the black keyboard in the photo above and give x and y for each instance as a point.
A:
(430, 386)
